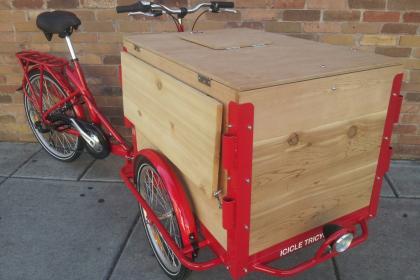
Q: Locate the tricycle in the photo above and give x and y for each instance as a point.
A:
(213, 139)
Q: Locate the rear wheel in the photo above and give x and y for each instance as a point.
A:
(152, 188)
(59, 144)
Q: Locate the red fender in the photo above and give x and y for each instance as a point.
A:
(175, 190)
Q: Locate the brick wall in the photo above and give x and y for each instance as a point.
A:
(389, 27)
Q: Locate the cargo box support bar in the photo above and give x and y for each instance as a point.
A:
(385, 154)
(236, 206)
(260, 261)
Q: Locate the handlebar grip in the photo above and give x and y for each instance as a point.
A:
(223, 5)
(137, 7)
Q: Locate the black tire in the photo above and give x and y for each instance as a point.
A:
(181, 272)
(49, 146)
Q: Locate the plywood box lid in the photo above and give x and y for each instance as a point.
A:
(246, 59)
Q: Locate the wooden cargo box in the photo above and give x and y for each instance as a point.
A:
(319, 118)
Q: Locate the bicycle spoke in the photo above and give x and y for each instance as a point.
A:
(158, 199)
(56, 142)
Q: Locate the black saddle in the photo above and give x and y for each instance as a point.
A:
(57, 22)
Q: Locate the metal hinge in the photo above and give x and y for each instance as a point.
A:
(204, 80)
(218, 196)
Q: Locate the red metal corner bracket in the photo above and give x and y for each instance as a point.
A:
(237, 160)
(385, 154)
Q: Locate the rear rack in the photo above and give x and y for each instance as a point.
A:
(29, 58)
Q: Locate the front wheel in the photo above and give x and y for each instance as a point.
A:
(152, 188)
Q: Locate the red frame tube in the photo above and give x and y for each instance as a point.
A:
(394, 109)
(237, 160)
(320, 255)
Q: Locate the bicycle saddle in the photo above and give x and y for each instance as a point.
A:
(57, 22)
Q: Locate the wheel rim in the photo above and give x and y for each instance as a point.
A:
(152, 189)
(59, 144)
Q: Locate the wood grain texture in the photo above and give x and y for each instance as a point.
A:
(317, 162)
(286, 60)
(182, 122)
(172, 67)
(283, 109)
(231, 39)
(317, 175)
(217, 90)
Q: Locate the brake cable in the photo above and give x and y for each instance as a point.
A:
(197, 18)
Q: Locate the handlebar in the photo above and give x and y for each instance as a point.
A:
(223, 5)
(152, 9)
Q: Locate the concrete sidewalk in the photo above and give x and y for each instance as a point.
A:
(77, 220)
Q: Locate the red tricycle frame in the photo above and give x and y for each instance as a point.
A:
(237, 149)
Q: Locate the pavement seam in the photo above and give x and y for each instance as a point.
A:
(25, 162)
(336, 271)
(101, 181)
(391, 185)
(122, 248)
(44, 179)
(56, 180)
(86, 170)
(403, 197)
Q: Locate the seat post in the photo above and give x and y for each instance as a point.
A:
(71, 49)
